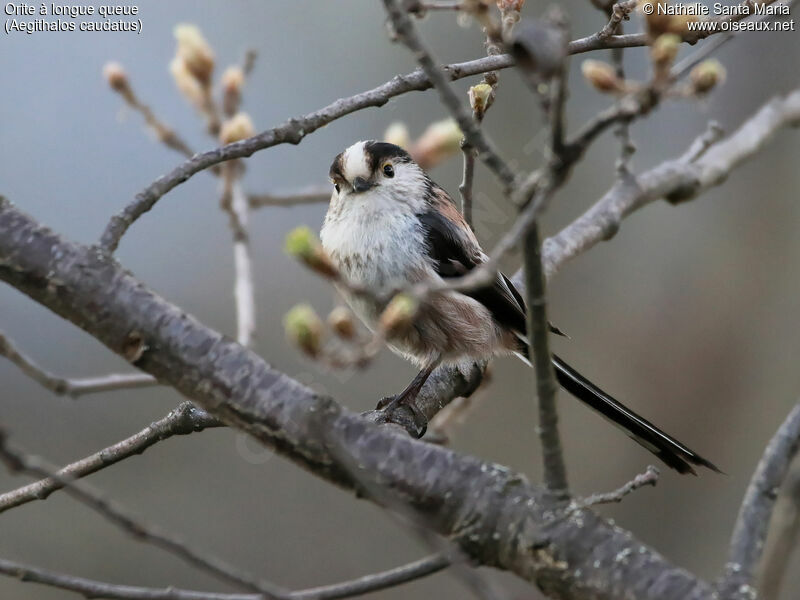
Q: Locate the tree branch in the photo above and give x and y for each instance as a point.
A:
(239, 387)
(18, 461)
(783, 538)
(677, 180)
(750, 531)
(494, 515)
(294, 130)
(185, 419)
(72, 387)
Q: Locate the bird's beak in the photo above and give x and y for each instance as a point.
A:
(361, 185)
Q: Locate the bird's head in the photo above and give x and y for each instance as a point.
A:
(377, 170)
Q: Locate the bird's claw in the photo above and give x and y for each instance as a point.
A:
(385, 401)
(391, 403)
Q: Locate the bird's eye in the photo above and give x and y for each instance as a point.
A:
(336, 187)
(388, 170)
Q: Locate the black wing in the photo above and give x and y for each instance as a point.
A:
(453, 255)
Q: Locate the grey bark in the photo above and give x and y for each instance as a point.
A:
(495, 516)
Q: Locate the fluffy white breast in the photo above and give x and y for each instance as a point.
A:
(376, 243)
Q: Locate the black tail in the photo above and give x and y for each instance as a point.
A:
(668, 449)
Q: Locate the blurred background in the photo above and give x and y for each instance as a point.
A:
(689, 315)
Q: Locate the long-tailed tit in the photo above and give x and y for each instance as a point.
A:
(389, 226)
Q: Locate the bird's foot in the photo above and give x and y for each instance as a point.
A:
(419, 424)
(385, 402)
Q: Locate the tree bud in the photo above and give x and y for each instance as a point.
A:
(665, 49)
(195, 52)
(302, 244)
(706, 76)
(481, 97)
(601, 75)
(439, 141)
(508, 5)
(341, 321)
(397, 134)
(232, 80)
(186, 83)
(116, 76)
(238, 127)
(399, 314)
(304, 329)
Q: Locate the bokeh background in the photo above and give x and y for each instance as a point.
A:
(690, 314)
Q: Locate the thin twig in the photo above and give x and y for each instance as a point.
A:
(752, 524)
(120, 83)
(649, 477)
(249, 61)
(294, 130)
(466, 185)
(232, 82)
(209, 110)
(376, 581)
(234, 203)
(701, 144)
(90, 588)
(555, 471)
(185, 419)
(494, 47)
(76, 387)
(485, 149)
(552, 176)
(422, 7)
(619, 12)
(311, 195)
(18, 461)
(98, 589)
(624, 111)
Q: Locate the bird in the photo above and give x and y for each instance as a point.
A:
(389, 226)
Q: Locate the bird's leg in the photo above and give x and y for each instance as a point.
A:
(409, 395)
